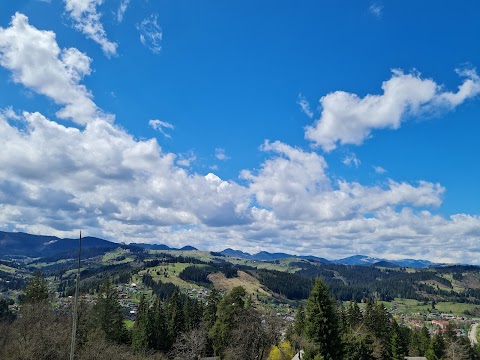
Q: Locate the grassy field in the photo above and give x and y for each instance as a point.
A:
(110, 257)
(251, 284)
(172, 271)
(7, 269)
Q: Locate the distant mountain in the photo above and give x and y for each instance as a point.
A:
(351, 260)
(372, 261)
(314, 258)
(416, 264)
(266, 256)
(162, 247)
(236, 254)
(22, 244)
(153, 246)
(357, 260)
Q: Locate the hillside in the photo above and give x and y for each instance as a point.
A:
(278, 278)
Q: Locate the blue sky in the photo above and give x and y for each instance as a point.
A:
(327, 128)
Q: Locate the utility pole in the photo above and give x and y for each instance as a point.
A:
(75, 306)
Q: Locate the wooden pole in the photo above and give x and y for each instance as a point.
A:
(75, 306)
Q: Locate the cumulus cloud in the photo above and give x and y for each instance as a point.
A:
(304, 106)
(220, 154)
(161, 126)
(87, 20)
(151, 33)
(349, 119)
(294, 184)
(102, 174)
(56, 179)
(122, 9)
(24, 50)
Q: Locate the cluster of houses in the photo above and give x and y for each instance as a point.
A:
(439, 323)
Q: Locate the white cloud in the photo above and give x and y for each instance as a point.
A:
(220, 154)
(294, 184)
(379, 170)
(351, 160)
(349, 119)
(151, 33)
(101, 174)
(121, 9)
(161, 126)
(304, 106)
(376, 8)
(9, 113)
(87, 20)
(25, 50)
(56, 179)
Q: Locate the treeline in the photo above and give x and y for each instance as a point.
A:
(292, 286)
(199, 274)
(159, 288)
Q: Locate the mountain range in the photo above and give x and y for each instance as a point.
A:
(14, 244)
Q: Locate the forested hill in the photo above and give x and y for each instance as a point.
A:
(33, 246)
(283, 277)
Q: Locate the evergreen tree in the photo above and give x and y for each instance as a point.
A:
(402, 340)
(379, 323)
(210, 314)
(140, 328)
(436, 349)
(229, 312)
(299, 325)
(36, 290)
(176, 318)
(157, 330)
(109, 313)
(358, 346)
(354, 314)
(321, 323)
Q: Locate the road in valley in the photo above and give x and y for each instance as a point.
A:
(472, 334)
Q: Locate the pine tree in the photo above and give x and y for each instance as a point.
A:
(176, 318)
(299, 325)
(109, 313)
(157, 331)
(229, 311)
(354, 314)
(36, 290)
(436, 349)
(140, 328)
(321, 323)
